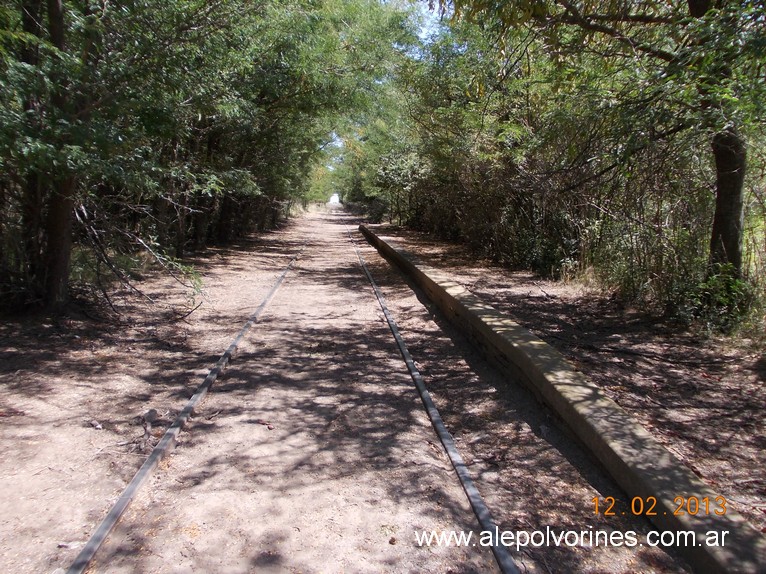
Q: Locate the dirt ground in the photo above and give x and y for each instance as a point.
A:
(312, 453)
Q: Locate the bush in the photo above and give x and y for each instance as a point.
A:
(721, 302)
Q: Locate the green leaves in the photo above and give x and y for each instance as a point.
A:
(569, 136)
(182, 121)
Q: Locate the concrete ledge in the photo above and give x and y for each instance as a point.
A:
(637, 462)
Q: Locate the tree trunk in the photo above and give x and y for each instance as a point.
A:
(31, 226)
(56, 25)
(201, 220)
(180, 235)
(59, 246)
(730, 155)
(225, 219)
(698, 8)
(61, 202)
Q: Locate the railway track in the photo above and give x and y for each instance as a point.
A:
(170, 437)
(314, 428)
(480, 509)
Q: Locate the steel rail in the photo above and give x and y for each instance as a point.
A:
(168, 440)
(502, 554)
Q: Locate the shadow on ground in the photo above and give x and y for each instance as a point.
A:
(703, 398)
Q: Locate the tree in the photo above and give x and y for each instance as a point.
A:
(58, 226)
(158, 126)
(711, 46)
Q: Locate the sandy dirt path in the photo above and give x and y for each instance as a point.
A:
(312, 453)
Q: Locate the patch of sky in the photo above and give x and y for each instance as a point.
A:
(431, 22)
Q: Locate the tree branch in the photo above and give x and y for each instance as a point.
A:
(629, 153)
(574, 18)
(631, 18)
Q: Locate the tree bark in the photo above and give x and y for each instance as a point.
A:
(180, 235)
(226, 218)
(56, 25)
(32, 225)
(59, 246)
(61, 202)
(730, 154)
(698, 8)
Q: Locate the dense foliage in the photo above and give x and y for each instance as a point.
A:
(158, 126)
(621, 142)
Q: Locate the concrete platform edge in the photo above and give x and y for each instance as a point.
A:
(636, 461)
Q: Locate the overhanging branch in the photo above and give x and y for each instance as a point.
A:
(573, 17)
